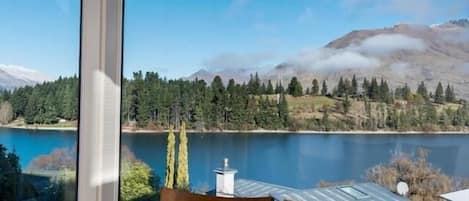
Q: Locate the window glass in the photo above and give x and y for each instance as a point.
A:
(293, 99)
(39, 54)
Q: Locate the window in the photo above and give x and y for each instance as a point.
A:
(357, 194)
(290, 96)
(39, 59)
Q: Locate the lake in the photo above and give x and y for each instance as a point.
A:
(296, 160)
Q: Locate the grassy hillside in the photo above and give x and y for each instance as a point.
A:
(306, 111)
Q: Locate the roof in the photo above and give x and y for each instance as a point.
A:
(362, 192)
(462, 195)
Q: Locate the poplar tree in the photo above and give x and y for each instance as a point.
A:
(170, 155)
(182, 176)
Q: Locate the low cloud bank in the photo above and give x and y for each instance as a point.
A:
(364, 54)
(332, 59)
(383, 44)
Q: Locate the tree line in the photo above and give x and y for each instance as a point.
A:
(44, 103)
(155, 102)
(152, 101)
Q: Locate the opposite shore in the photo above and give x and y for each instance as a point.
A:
(257, 131)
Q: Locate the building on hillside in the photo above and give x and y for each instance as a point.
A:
(227, 186)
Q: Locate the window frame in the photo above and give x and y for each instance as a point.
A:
(99, 127)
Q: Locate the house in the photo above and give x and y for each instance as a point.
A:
(462, 195)
(227, 186)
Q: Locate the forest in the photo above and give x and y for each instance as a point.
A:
(152, 102)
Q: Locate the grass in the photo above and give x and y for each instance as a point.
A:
(308, 107)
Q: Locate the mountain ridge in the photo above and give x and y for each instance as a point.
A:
(403, 53)
(13, 76)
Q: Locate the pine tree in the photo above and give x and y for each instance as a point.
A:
(315, 88)
(346, 104)
(384, 92)
(406, 92)
(324, 88)
(366, 86)
(262, 89)
(439, 98)
(295, 88)
(341, 89)
(170, 156)
(31, 109)
(354, 86)
(270, 88)
(325, 119)
(422, 90)
(449, 94)
(257, 84)
(231, 86)
(279, 88)
(182, 175)
(283, 110)
(217, 102)
(373, 91)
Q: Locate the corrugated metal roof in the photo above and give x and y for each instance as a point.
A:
(250, 188)
(462, 195)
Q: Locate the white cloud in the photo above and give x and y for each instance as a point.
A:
(332, 59)
(383, 44)
(234, 61)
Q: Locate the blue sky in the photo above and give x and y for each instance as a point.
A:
(176, 37)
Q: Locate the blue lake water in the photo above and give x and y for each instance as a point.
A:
(296, 160)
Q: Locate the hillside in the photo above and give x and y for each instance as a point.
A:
(404, 53)
(12, 77)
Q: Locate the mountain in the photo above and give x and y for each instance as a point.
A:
(240, 75)
(403, 53)
(12, 77)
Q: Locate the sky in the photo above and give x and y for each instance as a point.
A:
(179, 37)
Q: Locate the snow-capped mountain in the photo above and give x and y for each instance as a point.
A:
(12, 76)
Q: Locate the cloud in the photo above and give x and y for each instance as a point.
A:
(361, 55)
(332, 59)
(234, 61)
(465, 67)
(419, 10)
(383, 44)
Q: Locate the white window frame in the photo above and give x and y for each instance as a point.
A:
(100, 96)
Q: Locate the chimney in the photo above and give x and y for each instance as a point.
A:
(225, 180)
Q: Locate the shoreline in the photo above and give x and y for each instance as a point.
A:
(257, 131)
